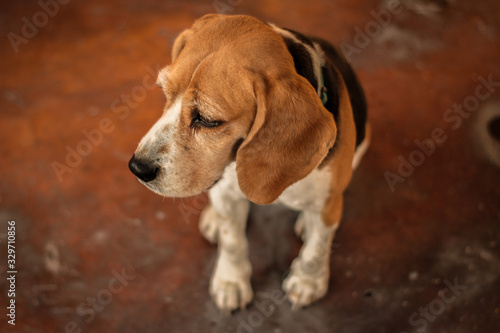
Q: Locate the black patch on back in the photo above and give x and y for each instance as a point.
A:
(334, 60)
(302, 61)
(304, 67)
(335, 64)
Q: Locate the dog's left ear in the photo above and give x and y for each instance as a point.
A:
(291, 134)
(182, 39)
(180, 42)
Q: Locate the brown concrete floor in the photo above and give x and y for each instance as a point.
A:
(396, 252)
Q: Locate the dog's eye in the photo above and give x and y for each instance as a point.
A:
(200, 120)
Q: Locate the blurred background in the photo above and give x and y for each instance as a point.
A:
(95, 251)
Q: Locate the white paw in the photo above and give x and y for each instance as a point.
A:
(302, 288)
(230, 292)
(209, 226)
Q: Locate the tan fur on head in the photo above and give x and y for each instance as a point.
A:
(235, 70)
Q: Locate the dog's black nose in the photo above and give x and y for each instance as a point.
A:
(144, 170)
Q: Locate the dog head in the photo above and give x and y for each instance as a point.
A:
(232, 94)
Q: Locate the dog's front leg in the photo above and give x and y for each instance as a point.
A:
(310, 271)
(226, 219)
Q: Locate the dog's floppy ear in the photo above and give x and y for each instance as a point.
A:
(291, 134)
(184, 36)
(180, 42)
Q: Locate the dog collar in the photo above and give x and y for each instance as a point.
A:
(323, 95)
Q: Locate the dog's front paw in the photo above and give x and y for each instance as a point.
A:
(209, 226)
(303, 288)
(230, 290)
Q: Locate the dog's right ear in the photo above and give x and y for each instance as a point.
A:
(181, 40)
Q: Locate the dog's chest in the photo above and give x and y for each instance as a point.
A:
(309, 193)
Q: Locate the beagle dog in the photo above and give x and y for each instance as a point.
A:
(263, 114)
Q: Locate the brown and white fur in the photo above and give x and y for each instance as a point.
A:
(244, 120)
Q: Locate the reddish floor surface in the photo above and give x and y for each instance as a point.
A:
(420, 256)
